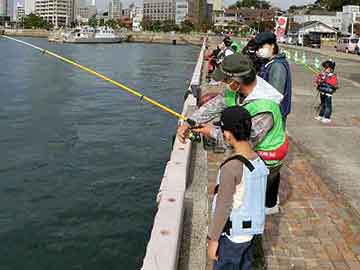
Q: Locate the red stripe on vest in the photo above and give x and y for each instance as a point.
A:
(277, 154)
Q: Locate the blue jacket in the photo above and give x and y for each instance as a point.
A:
(277, 72)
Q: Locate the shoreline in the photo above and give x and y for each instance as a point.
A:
(132, 37)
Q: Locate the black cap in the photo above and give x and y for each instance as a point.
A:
(265, 38)
(329, 64)
(235, 65)
(233, 117)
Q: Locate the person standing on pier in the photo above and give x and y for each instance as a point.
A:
(276, 69)
(268, 136)
(326, 84)
(239, 204)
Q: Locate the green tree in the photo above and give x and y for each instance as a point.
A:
(147, 24)
(156, 26)
(251, 3)
(102, 22)
(168, 26)
(112, 23)
(186, 26)
(34, 21)
(93, 22)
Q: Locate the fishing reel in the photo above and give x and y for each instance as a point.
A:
(192, 135)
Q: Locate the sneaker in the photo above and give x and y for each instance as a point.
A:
(272, 210)
(319, 118)
(326, 120)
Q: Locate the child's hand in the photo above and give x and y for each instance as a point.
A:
(212, 249)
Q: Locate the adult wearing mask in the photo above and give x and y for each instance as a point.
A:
(277, 70)
(262, 101)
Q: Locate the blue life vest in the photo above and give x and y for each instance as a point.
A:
(285, 104)
(248, 218)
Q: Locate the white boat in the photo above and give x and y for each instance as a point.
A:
(87, 34)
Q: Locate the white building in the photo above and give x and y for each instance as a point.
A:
(20, 11)
(85, 13)
(181, 11)
(11, 10)
(29, 6)
(326, 32)
(136, 15)
(340, 20)
(57, 12)
(159, 10)
(218, 5)
(333, 20)
(349, 15)
(115, 9)
(3, 7)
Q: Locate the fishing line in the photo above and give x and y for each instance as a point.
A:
(105, 78)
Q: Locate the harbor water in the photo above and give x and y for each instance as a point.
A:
(81, 161)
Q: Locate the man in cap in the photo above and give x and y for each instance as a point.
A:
(262, 101)
(276, 69)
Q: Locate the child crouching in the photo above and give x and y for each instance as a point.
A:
(238, 212)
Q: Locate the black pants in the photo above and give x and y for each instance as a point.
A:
(272, 186)
(240, 256)
(325, 106)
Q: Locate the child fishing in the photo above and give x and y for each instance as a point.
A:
(326, 84)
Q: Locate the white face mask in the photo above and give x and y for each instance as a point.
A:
(265, 52)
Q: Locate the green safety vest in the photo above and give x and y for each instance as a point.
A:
(236, 47)
(276, 136)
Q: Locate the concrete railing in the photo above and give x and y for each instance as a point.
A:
(162, 251)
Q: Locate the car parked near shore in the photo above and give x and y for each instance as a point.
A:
(357, 49)
(347, 45)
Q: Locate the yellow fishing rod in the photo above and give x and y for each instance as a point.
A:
(121, 86)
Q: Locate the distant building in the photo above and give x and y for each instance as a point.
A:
(126, 12)
(339, 20)
(218, 5)
(326, 32)
(57, 12)
(136, 15)
(11, 10)
(328, 18)
(85, 13)
(246, 16)
(29, 6)
(181, 11)
(20, 12)
(115, 9)
(159, 10)
(348, 15)
(197, 13)
(3, 8)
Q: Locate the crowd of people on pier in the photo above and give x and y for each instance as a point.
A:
(252, 110)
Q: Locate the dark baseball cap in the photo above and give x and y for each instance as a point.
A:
(232, 117)
(235, 65)
(265, 38)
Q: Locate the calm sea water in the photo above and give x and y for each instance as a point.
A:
(81, 161)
